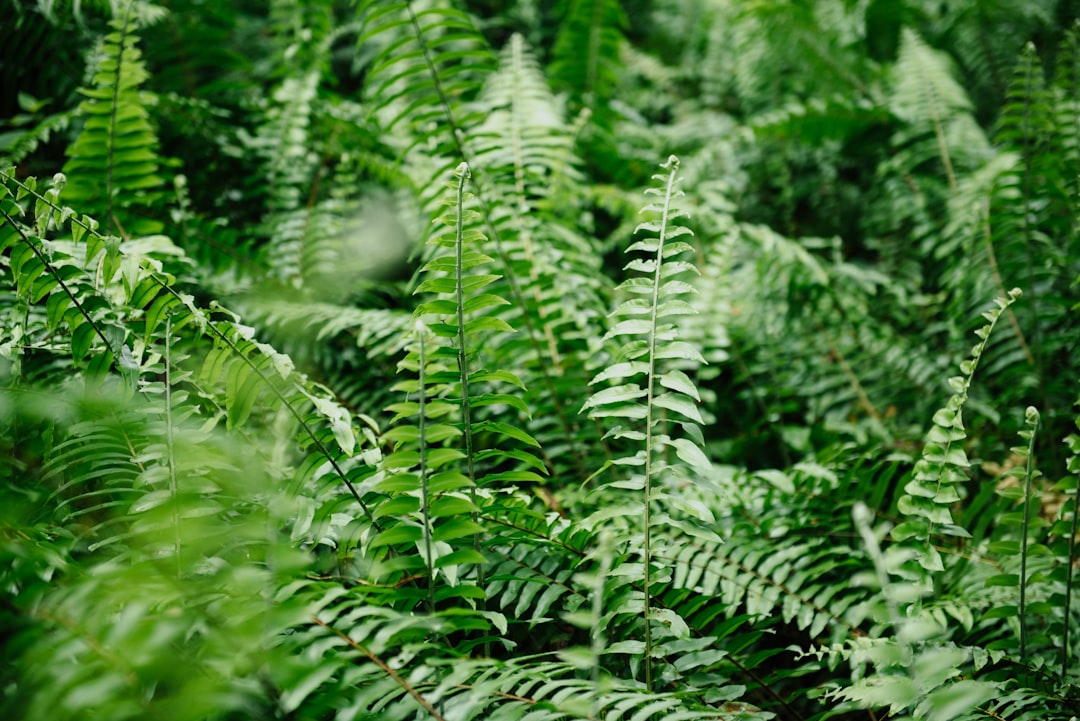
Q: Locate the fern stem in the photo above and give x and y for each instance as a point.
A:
(164, 285)
(1032, 420)
(1074, 441)
(524, 529)
(409, 688)
(425, 501)
(463, 362)
(943, 146)
(462, 355)
(673, 164)
(293, 411)
(847, 371)
(861, 515)
(605, 550)
(1003, 303)
(169, 445)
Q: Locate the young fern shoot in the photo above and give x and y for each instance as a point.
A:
(926, 504)
(1031, 419)
(439, 473)
(642, 385)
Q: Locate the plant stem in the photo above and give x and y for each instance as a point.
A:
(673, 163)
(1074, 441)
(1032, 420)
(463, 363)
(425, 508)
(170, 453)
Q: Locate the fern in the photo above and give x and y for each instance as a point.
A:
(587, 51)
(1017, 228)
(1069, 533)
(113, 165)
(908, 675)
(942, 466)
(452, 497)
(445, 60)
(123, 527)
(431, 77)
(291, 167)
(927, 97)
(1032, 418)
(646, 399)
(243, 366)
(206, 515)
(556, 277)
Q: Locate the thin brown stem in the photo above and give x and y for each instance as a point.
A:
(385, 667)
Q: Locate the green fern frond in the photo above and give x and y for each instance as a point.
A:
(1030, 211)
(586, 53)
(985, 38)
(926, 96)
(291, 168)
(134, 614)
(525, 149)
(917, 668)
(63, 280)
(113, 165)
(643, 387)
(427, 63)
(1067, 529)
(22, 142)
(438, 490)
(934, 488)
(124, 325)
(442, 84)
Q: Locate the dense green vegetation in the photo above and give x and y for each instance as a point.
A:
(506, 359)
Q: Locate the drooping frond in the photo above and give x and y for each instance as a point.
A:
(428, 60)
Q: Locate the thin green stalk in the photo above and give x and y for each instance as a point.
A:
(289, 406)
(425, 501)
(51, 269)
(1074, 442)
(605, 551)
(164, 284)
(862, 516)
(386, 668)
(1031, 418)
(170, 451)
(463, 359)
(651, 380)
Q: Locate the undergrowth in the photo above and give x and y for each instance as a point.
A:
(365, 363)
